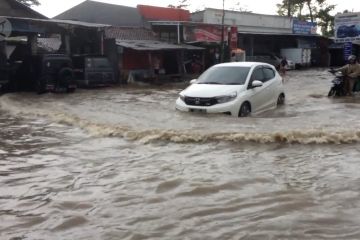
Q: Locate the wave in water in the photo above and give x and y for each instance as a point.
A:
(313, 136)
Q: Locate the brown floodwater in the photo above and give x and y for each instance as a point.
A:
(122, 163)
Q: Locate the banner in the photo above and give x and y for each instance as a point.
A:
(303, 27)
(233, 38)
(204, 33)
(347, 50)
(347, 27)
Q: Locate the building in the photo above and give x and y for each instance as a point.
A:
(131, 45)
(136, 52)
(347, 37)
(12, 8)
(260, 33)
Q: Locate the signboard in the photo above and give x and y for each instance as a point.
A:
(233, 38)
(204, 33)
(303, 27)
(347, 27)
(347, 50)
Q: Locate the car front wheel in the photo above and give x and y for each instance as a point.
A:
(245, 110)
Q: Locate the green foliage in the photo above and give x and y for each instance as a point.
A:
(326, 20)
(183, 4)
(316, 11)
(29, 2)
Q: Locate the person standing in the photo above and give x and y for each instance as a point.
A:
(282, 67)
(156, 66)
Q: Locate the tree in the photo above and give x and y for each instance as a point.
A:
(294, 8)
(238, 7)
(317, 11)
(29, 2)
(326, 20)
(183, 4)
(289, 7)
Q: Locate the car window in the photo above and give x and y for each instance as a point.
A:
(257, 75)
(225, 75)
(97, 63)
(268, 74)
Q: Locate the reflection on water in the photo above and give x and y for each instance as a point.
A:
(123, 164)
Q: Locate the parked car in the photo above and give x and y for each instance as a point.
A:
(290, 65)
(272, 59)
(93, 71)
(4, 78)
(46, 72)
(301, 57)
(237, 89)
(4, 71)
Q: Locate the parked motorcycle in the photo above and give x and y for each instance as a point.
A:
(337, 88)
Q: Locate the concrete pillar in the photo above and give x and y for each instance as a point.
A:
(33, 44)
(251, 53)
(67, 44)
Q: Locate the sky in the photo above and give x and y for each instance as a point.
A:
(51, 8)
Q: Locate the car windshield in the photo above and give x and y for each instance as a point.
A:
(224, 75)
(99, 63)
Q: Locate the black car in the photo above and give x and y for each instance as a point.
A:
(46, 72)
(92, 71)
(4, 71)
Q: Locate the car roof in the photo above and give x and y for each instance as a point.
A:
(243, 64)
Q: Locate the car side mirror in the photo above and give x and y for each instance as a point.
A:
(193, 81)
(256, 84)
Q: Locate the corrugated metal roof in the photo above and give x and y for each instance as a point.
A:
(59, 22)
(154, 45)
(106, 13)
(130, 33)
(161, 13)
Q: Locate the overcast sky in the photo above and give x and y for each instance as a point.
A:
(52, 8)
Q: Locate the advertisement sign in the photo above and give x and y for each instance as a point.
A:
(204, 33)
(347, 50)
(233, 38)
(347, 27)
(303, 27)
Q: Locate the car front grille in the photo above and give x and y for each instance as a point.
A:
(195, 101)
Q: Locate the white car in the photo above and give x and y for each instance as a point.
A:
(237, 88)
(290, 65)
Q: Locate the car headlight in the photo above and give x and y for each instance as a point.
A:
(182, 97)
(226, 98)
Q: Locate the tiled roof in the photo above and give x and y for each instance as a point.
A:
(128, 33)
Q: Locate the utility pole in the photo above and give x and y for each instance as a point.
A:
(289, 8)
(222, 33)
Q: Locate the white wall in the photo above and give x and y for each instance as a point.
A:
(250, 22)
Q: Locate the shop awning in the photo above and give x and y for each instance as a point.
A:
(146, 45)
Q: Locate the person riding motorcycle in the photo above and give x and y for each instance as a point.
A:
(351, 72)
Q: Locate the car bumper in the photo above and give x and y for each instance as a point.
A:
(231, 108)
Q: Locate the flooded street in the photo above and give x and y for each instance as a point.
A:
(122, 163)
